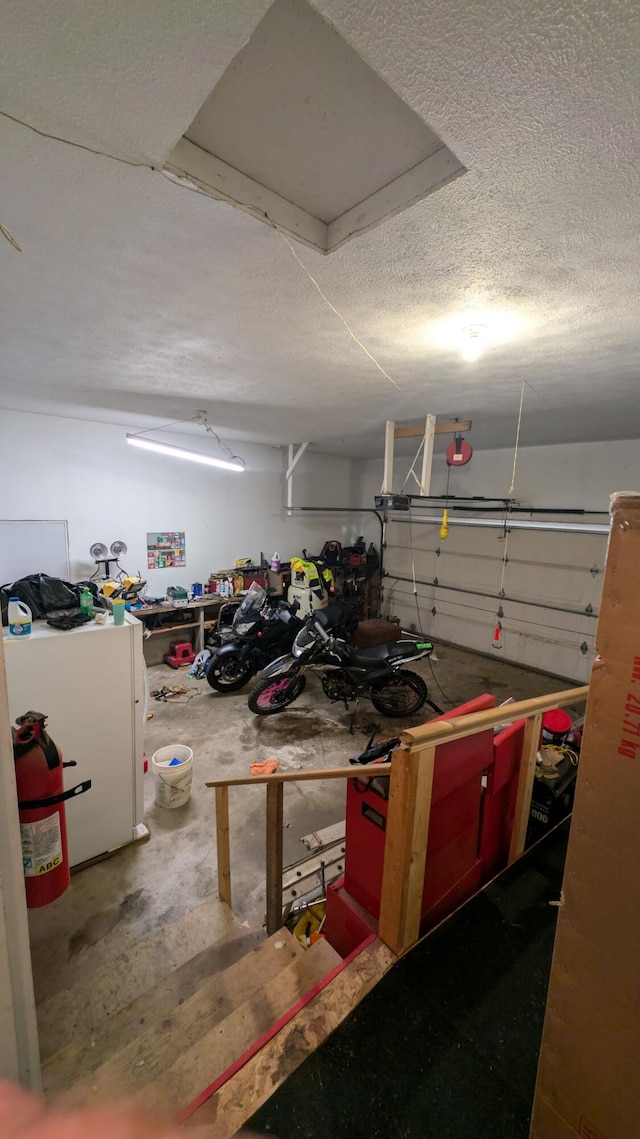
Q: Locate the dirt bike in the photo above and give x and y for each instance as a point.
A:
(346, 673)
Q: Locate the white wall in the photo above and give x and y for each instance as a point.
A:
(543, 567)
(86, 473)
(19, 1055)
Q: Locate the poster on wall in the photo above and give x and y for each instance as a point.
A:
(166, 549)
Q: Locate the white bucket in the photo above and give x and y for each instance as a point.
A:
(173, 784)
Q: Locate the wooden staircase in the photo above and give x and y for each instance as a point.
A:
(159, 1024)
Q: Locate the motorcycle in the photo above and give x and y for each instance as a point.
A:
(260, 630)
(347, 672)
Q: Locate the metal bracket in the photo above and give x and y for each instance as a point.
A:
(584, 648)
(589, 608)
(594, 570)
(53, 800)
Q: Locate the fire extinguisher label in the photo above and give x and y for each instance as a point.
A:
(41, 846)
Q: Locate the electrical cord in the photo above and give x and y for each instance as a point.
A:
(450, 702)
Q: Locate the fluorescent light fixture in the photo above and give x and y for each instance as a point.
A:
(184, 453)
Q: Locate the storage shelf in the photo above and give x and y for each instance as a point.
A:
(172, 628)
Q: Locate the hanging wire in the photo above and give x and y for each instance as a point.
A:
(497, 636)
(198, 417)
(508, 509)
(335, 310)
(10, 238)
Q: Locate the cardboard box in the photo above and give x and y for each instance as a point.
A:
(588, 1083)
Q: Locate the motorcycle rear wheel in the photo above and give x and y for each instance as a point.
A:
(274, 695)
(399, 695)
(229, 674)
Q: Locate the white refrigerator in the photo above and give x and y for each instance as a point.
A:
(90, 683)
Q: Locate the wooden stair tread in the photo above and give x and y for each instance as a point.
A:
(86, 1053)
(168, 1066)
(81, 1008)
(228, 1109)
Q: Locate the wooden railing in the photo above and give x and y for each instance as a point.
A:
(408, 813)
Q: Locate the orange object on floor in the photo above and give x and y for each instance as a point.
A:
(264, 766)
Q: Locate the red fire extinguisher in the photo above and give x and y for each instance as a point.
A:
(41, 799)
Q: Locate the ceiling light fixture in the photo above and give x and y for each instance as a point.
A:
(473, 341)
(232, 463)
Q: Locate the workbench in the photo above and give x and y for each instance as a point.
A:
(168, 622)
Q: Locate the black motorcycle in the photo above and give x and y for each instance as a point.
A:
(260, 631)
(347, 672)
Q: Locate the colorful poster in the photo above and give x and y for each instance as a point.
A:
(166, 549)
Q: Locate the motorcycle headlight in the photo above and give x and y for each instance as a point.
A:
(303, 640)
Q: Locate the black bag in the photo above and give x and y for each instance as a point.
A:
(332, 553)
(43, 595)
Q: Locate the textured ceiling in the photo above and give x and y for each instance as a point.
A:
(136, 300)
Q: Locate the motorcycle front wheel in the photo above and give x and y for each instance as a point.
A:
(274, 695)
(399, 695)
(229, 674)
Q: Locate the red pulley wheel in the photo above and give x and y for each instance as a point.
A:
(459, 453)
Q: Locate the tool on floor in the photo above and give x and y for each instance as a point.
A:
(178, 694)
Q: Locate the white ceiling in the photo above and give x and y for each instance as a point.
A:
(296, 94)
(136, 300)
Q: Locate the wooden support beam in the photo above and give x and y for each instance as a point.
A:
(222, 845)
(275, 798)
(430, 429)
(530, 745)
(442, 731)
(447, 427)
(354, 771)
(294, 458)
(387, 477)
(406, 847)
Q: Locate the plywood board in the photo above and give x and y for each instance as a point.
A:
(252, 1086)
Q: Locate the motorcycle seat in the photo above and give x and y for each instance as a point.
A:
(393, 650)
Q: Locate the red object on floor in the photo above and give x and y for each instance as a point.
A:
(556, 725)
(145, 765)
(180, 652)
(347, 923)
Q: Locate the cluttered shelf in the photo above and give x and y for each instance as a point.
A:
(172, 628)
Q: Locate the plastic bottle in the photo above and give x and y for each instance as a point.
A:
(86, 602)
(19, 618)
(275, 562)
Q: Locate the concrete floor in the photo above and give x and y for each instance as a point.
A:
(119, 902)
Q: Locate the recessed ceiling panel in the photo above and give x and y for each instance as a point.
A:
(300, 115)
